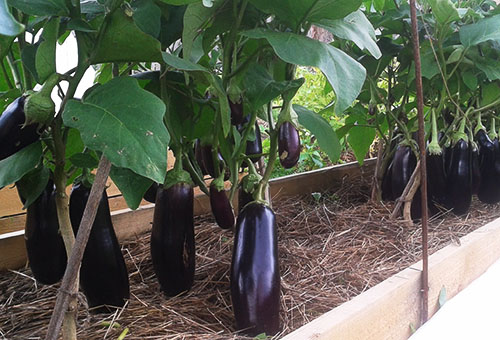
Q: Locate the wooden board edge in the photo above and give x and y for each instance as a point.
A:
(391, 308)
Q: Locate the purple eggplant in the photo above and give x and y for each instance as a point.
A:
(13, 135)
(288, 145)
(44, 243)
(459, 178)
(386, 186)
(254, 147)
(236, 111)
(488, 191)
(221, 207)
(403, 164)
(172, 239)
(103, 273)
(255, 277)
(436, 179)
(476, 170)
(150, 194)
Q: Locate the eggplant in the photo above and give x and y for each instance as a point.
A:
(236, 111)
(386, 186)
(221, 207)
(44, 243)
(208, 162)
(288, 145)
(198, 153)
(13, 134)
(103, 273)
(172, 239)
(489, 187)
(254, 147)
(476, 170)
(459, 178)
(436, 179)
(403, 165)
(150, 194)
(255, 277)
(244, 197)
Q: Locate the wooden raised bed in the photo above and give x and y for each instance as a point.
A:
(388, 310)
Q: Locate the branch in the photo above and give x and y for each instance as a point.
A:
(68, 282)
(404, 195)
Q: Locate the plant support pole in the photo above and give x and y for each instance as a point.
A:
(68, 282)
(423, 167)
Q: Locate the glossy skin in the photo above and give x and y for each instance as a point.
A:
(459, 178)
(172, 239)
(254, 147)
(14, 137)
(236, 112)
(103, 274)
(221, 208)
(387, 184)
(489, 190)
(255, 278)
(403, 164)
(436, 179)
(150, 194)
(243, 199)
(288, 145)
(44, 243)
(476, 171)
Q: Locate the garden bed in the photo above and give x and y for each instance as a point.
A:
(332, 248)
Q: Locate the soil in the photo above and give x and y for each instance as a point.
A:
(333, 246)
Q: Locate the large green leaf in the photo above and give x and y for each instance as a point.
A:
(131, 185)
(321, 129)
(261, 88)
(490, 67)
(28, 57)
(41, 7)
(32, 184)
(147, 16)
(45, 59)
(296, 12)
(125, 122)
(8, 25)
(345, 74)
(195, 18)
(481, 31)
(19, 164)
(179, 2)
(215, 82)
(444, 11)
(355, 27)
(123, 41)
(360, 137)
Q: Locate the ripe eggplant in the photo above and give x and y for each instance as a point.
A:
(288, 145)
(44, 243)
(236, 111)
(386, 186)
(208, 162)
(255, 278)
(476, 170)
(13, 135)
(221, 207)
(403, 164)
(103, 273)
(436, 179)
(459, 178)
(254, 147)
(244, 198)
(150, 194)
(172, 239)
(198, 153)
(488, 191)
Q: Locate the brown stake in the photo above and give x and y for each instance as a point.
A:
(423, 167)
(404, 196)
(68, 282)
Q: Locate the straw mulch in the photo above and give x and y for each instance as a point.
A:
(332, 248)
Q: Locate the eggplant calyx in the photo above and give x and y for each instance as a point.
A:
(479, 125)
(176, 176)
(250, 182)
(288, 114)
(218, 183)
(493, 131)
(434, 149)
(39, 107)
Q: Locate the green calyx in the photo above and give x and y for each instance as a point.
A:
(460, 134)
(493, 131)
(288, 114)
(39, 107)
(479, 124)
(250, 182)
(176, 176)
(234, 92)
(218, 183)
(433, 147)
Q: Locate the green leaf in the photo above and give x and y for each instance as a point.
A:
(179, 2)
(321, 129)
(123, 41)
(490, 68)
(5, 43)
(80, 25)
(481, 31)
(354, 27)
(195, 18)
(32, 184)
(84, 160)
(28, 56)
(131, 185)
(444, 11)
(45, 59)
(345, 74)
(19, 164)
(490, 93)
(360, 138)
(296, 12)
(41, 7)
(147, 16)
(125, 122)
(470, 80)
(215, 82)
(261, 88)
(8, 25)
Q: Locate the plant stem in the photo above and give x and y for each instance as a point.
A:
(15, 71)
(7, 78)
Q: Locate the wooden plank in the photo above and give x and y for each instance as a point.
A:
(13, 251)
(387, 310)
